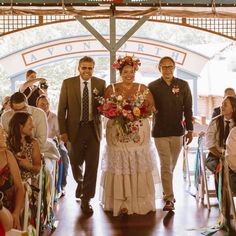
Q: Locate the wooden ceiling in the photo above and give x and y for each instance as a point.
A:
(216, 16)
(164, 3)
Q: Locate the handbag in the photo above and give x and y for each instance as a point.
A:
(212, 161)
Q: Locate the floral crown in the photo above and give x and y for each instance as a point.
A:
(127, 60)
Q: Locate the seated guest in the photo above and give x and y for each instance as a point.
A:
(5, 105)
(218, 131)
(18, 102)
(40, 127)
(231, 158)
(53, 133)
(40, 131)
(11, 187)
(227, 92)
(23, 146)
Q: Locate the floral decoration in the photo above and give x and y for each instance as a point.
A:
(175, 89)
(95, 91)
(127, 60)
(127, 113)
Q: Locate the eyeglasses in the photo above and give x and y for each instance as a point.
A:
(86, 68)
(167, 67)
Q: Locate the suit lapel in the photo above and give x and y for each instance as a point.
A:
(77, 89)
(92, 94)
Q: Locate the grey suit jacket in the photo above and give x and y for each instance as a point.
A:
(69, 109)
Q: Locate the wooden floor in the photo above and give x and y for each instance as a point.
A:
(189, 214)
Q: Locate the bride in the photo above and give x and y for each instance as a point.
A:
(129, 169)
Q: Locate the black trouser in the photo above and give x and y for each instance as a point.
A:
(85, 150)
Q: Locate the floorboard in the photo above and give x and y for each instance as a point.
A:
(189, 214)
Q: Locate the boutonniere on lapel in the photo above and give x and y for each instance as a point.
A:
(175, 89)
(95, 91)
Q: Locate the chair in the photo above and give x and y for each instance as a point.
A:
(202, 175)
(46, 190)
(29, 193)
(188, 149)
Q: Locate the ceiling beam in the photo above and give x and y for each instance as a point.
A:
(131, 3)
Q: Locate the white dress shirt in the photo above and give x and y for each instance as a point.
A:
(231, 149)
(40, 130)
(212, 134)
(53, 127)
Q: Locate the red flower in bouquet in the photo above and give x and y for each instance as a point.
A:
(112, 113)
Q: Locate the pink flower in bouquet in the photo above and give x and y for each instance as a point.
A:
(107, 106)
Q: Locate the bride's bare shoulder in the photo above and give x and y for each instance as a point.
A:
(108, 91)
(141, 86)
(109, 87)
(118, 84)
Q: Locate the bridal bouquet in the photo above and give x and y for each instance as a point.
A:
(126, 112)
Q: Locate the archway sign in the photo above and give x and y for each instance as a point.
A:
(75, 47)
(189, 63)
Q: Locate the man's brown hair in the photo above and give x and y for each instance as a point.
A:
(165, 58)
(30, 72)
(86, 59)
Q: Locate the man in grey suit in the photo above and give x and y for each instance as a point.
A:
(80, 127)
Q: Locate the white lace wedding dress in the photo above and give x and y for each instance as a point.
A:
(130, 180)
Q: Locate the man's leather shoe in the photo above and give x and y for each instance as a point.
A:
(79, 190)
(86, 207)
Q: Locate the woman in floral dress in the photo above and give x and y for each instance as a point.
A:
(23, 146)
(129, 169)
(11, 188)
